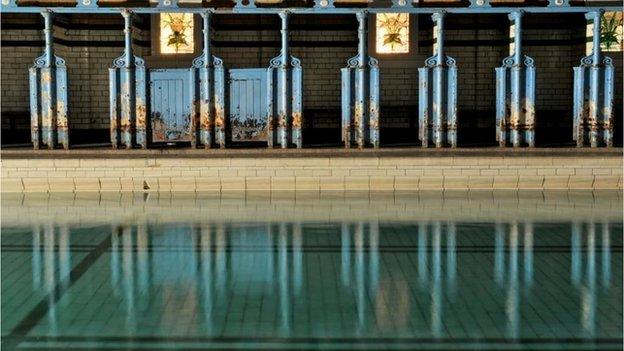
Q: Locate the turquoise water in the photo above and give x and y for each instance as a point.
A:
(427, 272)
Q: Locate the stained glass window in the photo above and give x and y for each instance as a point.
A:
(392, 33)
(611, 31)
(176, 33)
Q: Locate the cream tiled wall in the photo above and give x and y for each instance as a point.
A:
(309, 173)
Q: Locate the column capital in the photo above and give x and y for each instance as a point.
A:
(206, 14)
(516, 15)
(361, 15)
(284, 14)
(126, 13)
(438, 15)
(593, 15)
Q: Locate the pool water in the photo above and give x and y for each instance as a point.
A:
(506, 272)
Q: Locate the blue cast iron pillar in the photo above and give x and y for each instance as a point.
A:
(437, 93)
(593, 93)
(360, 94)
(208, 75)
(285, 87)
(48, 95)
(128, 111)
(515, 92)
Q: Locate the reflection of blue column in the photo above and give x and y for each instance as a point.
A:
(283, 280)
(576, 253)
(297, 256)
(220, 257)
(345, 254)
(64, 255)
(48, 258)
(206, 270)
(512, 292)
(451, 254)
(270, 253)
(359, 268)
(128, 276)
(422, 253)
(142, 258)
(36, 257)
(49, 270)
(588, 292)
(528, 254)
(606, 255)
(373, 269)
(436, 292)
(499, 253)
(114, 263)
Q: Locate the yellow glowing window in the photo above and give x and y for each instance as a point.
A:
(176, 33)
(392, 34)
(611, 31)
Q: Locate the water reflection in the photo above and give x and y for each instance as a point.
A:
(380, 277)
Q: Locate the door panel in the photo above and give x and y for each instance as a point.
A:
(247, 109)
(170, 105)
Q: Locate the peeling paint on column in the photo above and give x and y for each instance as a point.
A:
(284, 95)
(48, 96)
(437, 93)
(208, 105)
(127, 86)
(515, 92)
(219, 101)
(360, 94)
(593, 93)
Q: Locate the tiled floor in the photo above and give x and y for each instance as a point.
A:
(360, 284)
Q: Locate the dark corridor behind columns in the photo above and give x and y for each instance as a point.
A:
(323, 43)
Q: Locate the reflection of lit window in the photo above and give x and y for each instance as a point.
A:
(611, 31)
(176, 33)
(392, 35)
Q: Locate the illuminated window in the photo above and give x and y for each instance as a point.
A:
(176, 33)
(611, 31)
(392, 35)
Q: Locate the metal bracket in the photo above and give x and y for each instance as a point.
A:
(168, 3)
(400, 3)
(87, 3)
(558, 3)
(479, 3)
(251, 4)
(323, 4)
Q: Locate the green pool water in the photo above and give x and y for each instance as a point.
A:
(346, 272)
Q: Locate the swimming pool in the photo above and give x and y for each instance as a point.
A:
(423, 271)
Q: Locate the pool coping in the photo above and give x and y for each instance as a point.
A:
(99, 152)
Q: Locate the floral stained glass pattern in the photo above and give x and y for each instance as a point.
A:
(176, 33)
(611, 31)
(392, 33)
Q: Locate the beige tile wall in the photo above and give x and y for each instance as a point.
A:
(310, 173)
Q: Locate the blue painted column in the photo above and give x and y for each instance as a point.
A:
(515, 92)
(128, 106)
(437, 95)
(285, 90)
(282, 108)
(207, 74)
(360, 94)
(48, 95)
(593, 92)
